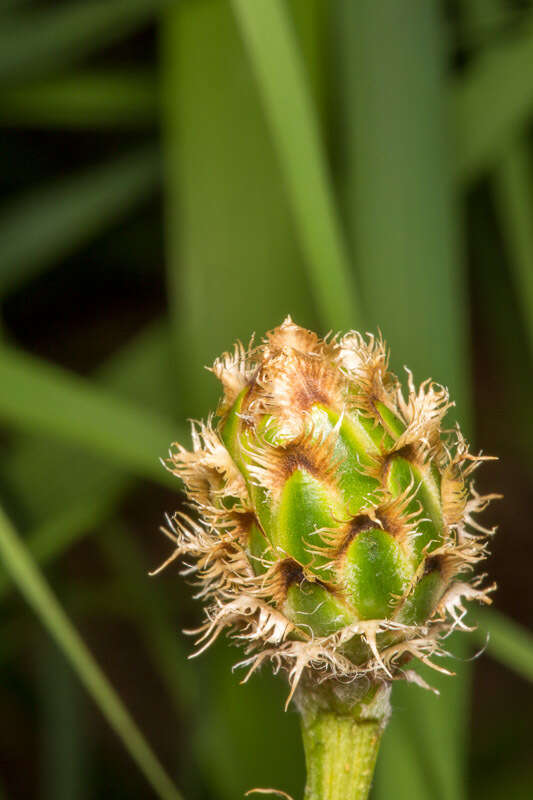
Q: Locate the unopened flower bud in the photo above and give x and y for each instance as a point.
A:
(332, 526)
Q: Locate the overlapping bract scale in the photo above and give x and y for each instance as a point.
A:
(331, 523)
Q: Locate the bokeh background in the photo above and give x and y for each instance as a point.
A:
(179, 174)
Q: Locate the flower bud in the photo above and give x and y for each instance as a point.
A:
(332, 526)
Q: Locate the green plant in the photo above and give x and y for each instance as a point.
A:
(333, 534)
(338, 159)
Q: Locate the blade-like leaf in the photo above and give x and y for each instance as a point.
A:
(396, 776)
(436, 726)
(41, 598)
(507, 642)
(85, 100)
(79, 495)
(233, 261)
(398, 188)
(40, 397)
(79, 490)
(50, 222)
(511, 181)
(63, 772)
(281, 77)
(39, 40)
(512, 174)
(493, 101)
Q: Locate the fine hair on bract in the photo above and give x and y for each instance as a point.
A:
(298, 404)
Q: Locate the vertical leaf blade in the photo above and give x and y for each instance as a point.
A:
(493, 100)
(280, 74)
(233, 262)
(403, 229)
(513, 171)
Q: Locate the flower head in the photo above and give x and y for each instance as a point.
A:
(332, 526)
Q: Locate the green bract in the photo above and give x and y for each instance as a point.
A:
(332, 527)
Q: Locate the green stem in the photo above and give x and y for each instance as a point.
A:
(340, 753)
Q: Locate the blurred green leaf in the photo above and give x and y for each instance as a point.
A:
(437, 726)
(399, 189)
(233, 260)
(482, 128)
(474, 33)
(63, 762)
(40, 397)
(40, 597)
(511, 430)
(79, 490)
(152, 612)
(512, 179)
(396, 777)
(507, 642)
(79, 495)
(311, 23)
(142, 370)
(74, 477)
(50, 222)
(493, 101)
(86, 495)
(400, 206)
(85, 100)
(36, 41)
(281, 77)
(266, 738)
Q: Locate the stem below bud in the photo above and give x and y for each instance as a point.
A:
(340, 754)
(341, 728)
